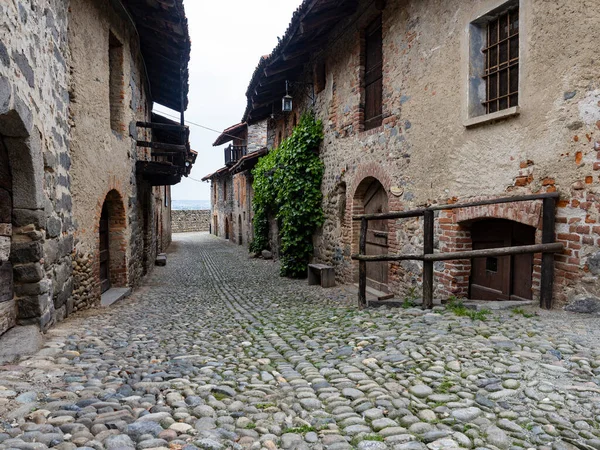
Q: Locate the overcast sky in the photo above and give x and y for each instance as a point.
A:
(228, 38)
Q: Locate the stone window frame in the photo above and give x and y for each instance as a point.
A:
(475, 61)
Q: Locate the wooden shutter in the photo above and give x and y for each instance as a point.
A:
(373, 75)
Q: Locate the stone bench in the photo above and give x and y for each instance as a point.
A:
(321, 274)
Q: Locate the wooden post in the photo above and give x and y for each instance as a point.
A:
(362, 265)
(547, 281)
(428, 265)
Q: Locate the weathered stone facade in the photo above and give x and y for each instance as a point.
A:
(62, 155)
(430, 150)
(185, 221)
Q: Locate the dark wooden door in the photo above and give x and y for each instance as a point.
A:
(522, 265)
(506, 277)
(104, 252)
(375, 201)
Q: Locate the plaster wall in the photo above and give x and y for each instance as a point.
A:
(424, 153)
(104, 156)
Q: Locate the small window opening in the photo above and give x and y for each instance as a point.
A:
(116, 94)
(373, 80)
(491, 264)
(320, 76)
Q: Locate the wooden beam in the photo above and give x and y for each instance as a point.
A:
(161, 126)
(556, 247)
(285, 66)
(548, 228)
(362, 265)
(392, 215)
(325, 18)
(501, 251)
(428, 233)
(160, 146)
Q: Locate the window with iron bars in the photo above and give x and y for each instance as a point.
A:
(501, 72)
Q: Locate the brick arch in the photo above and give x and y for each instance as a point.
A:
(117, 218)
(364, 171)
(527, 213)
(454, 234)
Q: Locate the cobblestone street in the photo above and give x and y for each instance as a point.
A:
(216, 351)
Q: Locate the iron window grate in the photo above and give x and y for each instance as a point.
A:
(502, 62)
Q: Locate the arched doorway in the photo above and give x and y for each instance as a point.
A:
(241, 234)
(226, 228)
(22, 206)
(112, 245)
(506, 277)
(371, 198)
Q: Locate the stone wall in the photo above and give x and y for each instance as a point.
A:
(190, 220)
(222, 205)
(34, 130)
(257, 136)
(64, 151)
(427, 151)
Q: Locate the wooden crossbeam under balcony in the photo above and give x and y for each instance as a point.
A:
(164, 147)
(161, 126)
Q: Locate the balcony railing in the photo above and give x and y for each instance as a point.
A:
(234, 153)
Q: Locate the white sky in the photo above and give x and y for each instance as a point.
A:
(228, 38)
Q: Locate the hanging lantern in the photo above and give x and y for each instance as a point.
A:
(286, 101)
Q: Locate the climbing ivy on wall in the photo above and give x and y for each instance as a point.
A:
(287, 186)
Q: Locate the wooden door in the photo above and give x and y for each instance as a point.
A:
(522, 265)
(104, 251)
(506, 277)
(375, 201)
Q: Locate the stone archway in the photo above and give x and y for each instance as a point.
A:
(24, 293)
(112, 245)
(370, 197)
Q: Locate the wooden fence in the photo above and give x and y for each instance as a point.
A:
(548, 246)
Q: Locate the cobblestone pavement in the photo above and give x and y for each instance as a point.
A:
(216, 352)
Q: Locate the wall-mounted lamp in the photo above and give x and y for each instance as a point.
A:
(286, 101)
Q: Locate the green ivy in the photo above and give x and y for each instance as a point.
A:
(287, 186)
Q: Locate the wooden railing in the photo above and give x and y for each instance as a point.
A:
(548, 246)
(234, 153)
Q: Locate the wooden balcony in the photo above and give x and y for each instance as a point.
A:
(234, 153)
(170, 154)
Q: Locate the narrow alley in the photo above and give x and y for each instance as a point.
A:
(216, 351)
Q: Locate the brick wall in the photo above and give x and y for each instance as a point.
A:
(190, 220)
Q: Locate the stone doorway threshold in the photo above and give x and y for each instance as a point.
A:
(113, 295)
(477, 305)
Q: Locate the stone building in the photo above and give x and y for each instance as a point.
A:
(426, 102)
(231, 186)
(85, 166)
